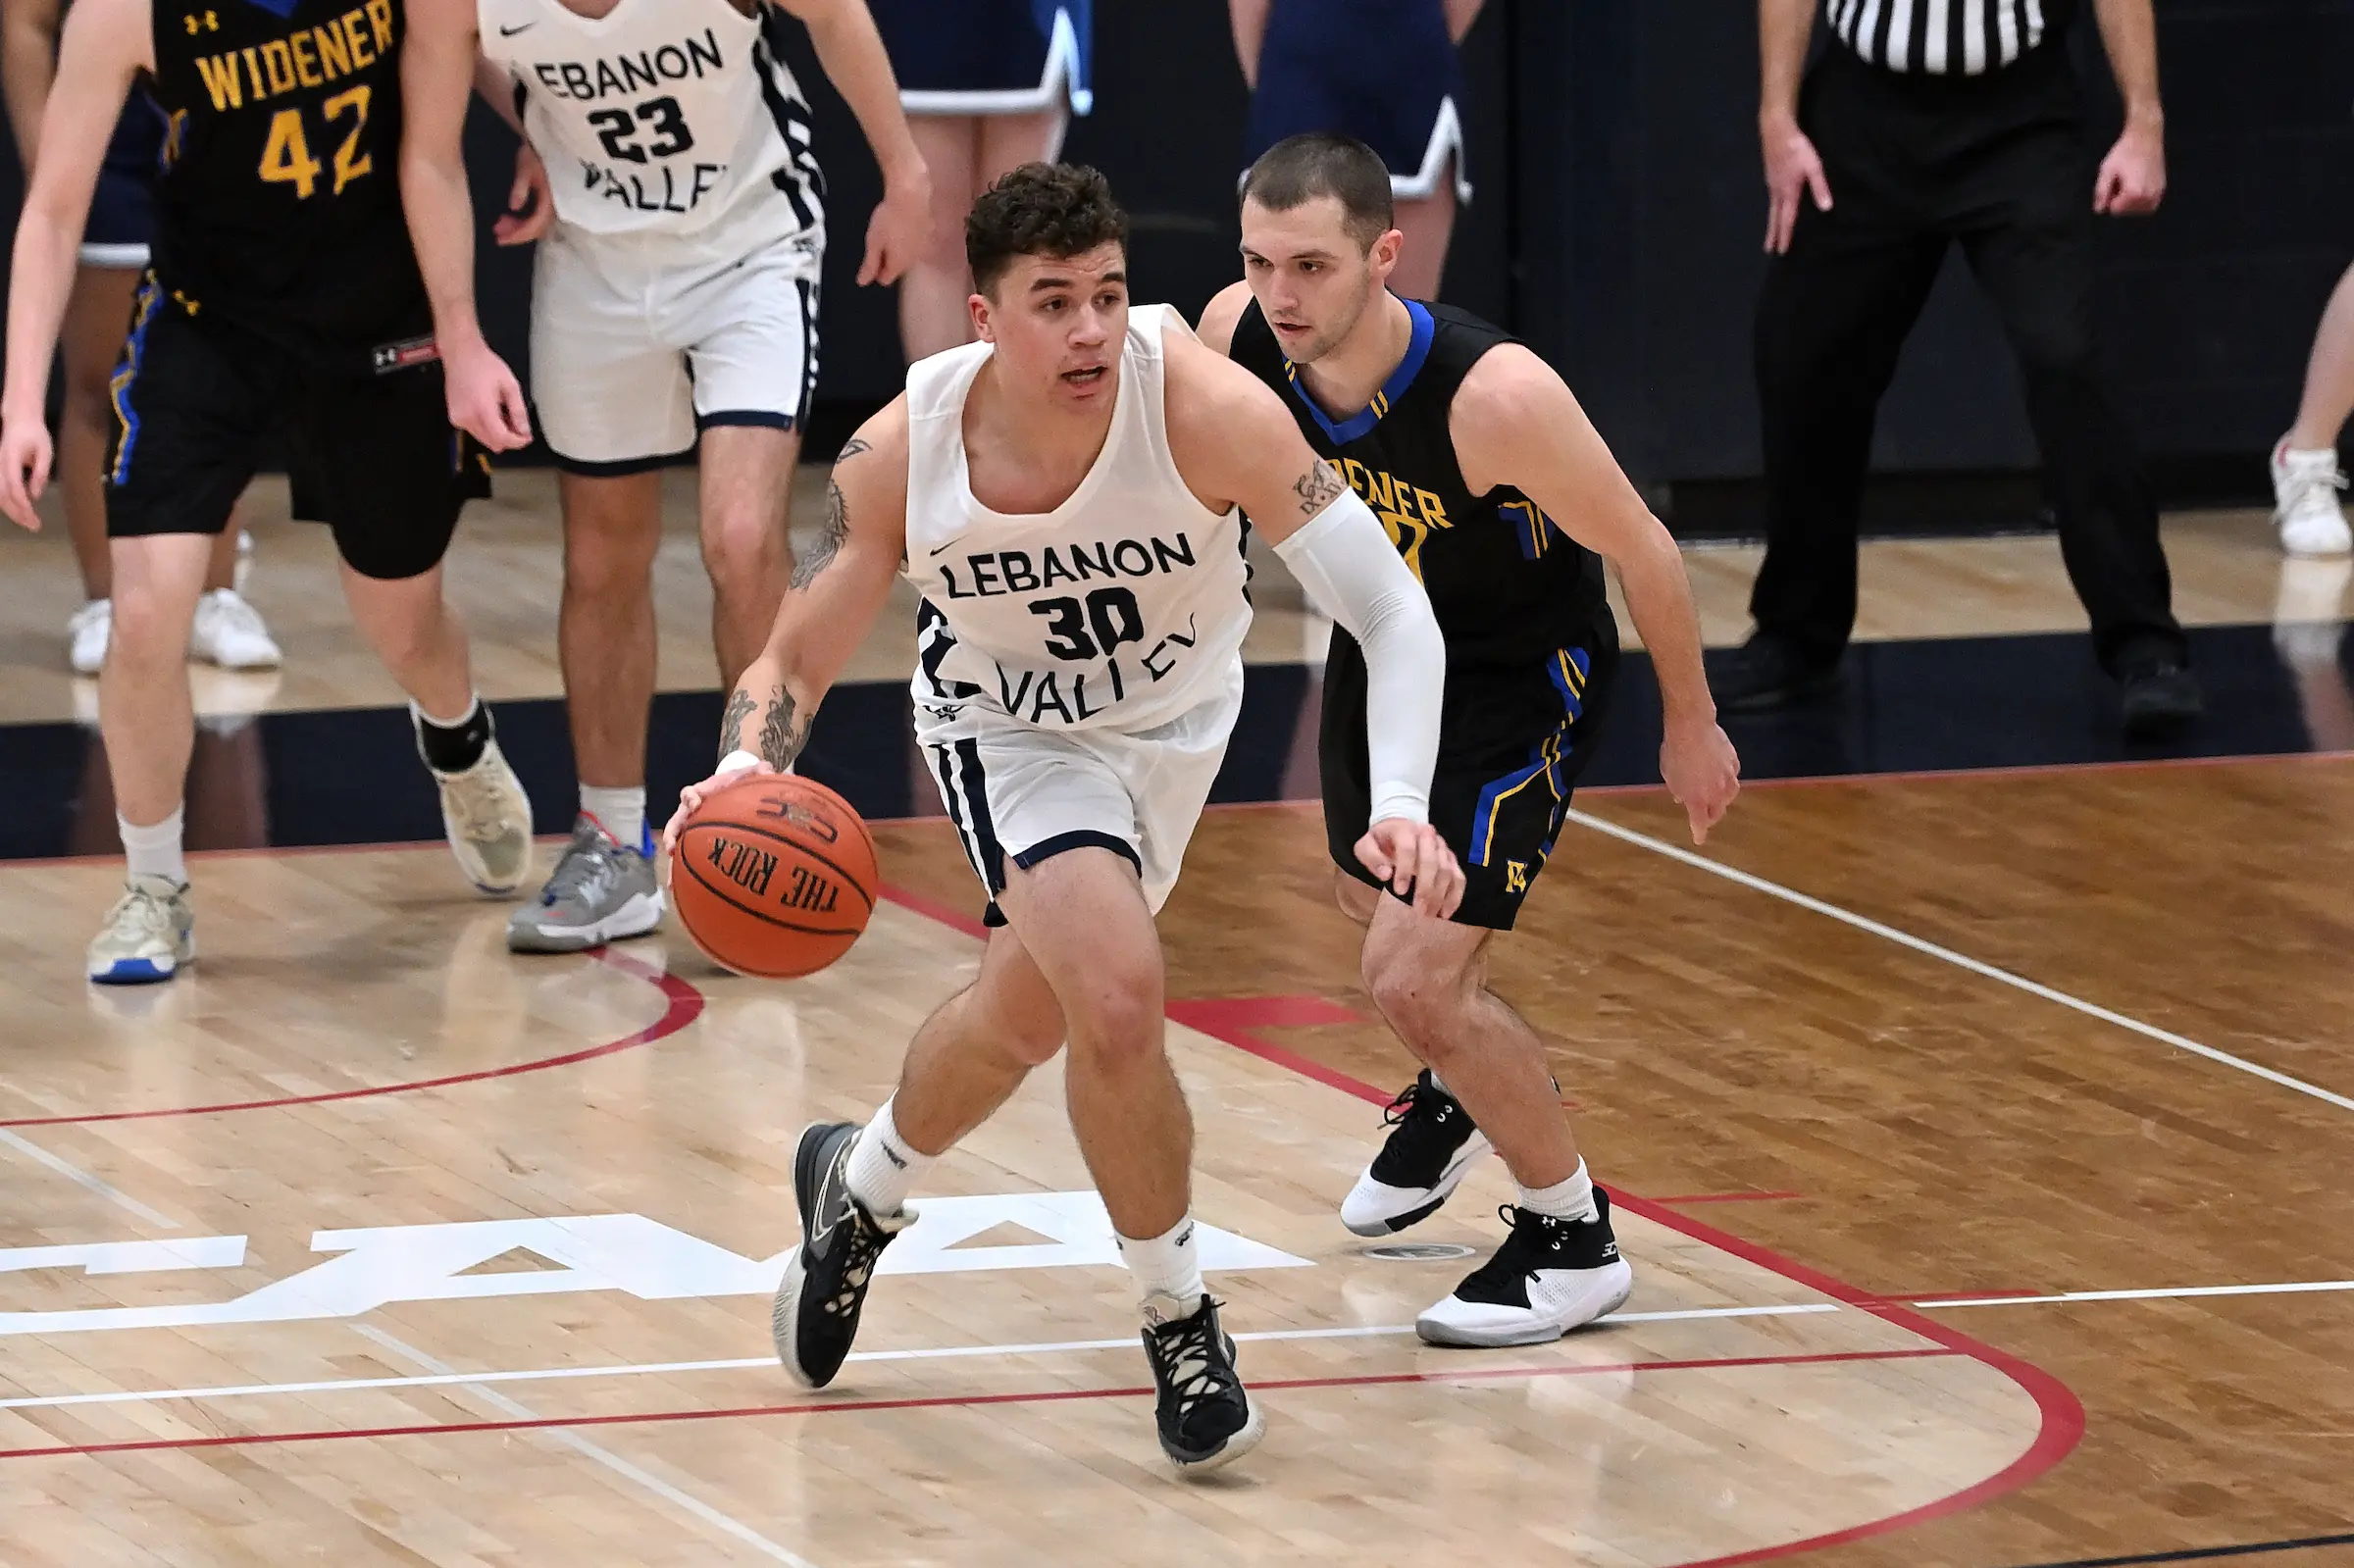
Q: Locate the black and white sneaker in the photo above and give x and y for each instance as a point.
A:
(816, 1313)
(1432, 1145)
(1204, 1413)
(1549, 1277)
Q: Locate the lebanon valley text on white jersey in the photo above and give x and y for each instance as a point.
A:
(1121, 608)
(661, 116)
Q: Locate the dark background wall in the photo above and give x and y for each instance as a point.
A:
(1616, 226)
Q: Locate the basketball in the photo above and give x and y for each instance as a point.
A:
(774, 876)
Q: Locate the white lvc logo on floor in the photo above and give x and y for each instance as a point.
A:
(626, 1252)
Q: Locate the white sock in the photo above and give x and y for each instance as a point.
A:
(1571, 1200)
(155, 852)
(620, 812)
(883, 1169)
(1168, 1264)
(473, 706)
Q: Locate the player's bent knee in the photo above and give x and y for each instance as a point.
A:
(1120, 1025)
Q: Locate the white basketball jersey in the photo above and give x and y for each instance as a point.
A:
(1122, 608)
(660, 116)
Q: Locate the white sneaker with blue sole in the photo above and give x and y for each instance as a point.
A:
(149, 935)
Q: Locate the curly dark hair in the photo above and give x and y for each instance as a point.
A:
(1058, 210)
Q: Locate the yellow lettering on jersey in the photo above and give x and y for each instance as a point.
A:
(347, 167)
(286, 159)
(1515, 876)
(363, 47)
(306, 60)
(279, 59)
(334, 55)
(253, 74)
(380, 20)
(220, 74)
(1433, 512)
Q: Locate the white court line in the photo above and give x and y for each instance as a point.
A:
(50, 1402)
(2183, 1293)
(602, 1454)
(82, 1178)
(1958, 960)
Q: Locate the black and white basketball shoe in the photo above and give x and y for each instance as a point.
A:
(1432, 1145)
(1548, 1277)
(1205, 1415)
(816, 1313)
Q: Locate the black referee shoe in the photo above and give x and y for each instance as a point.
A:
(815, 1317)
(1766, 674)
(2161, 699)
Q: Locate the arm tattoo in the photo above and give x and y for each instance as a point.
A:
(731, 723)
(781, 738)
(837, 525)
(1317, 488)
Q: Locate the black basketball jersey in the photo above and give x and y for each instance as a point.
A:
(1509, 588)
(279, 210)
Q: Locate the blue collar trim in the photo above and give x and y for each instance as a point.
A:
(1358, 426)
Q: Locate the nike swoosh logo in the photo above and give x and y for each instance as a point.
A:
(950, 546)
(820, 1240)
(505, 32)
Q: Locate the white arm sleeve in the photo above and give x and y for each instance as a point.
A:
(1344, 560)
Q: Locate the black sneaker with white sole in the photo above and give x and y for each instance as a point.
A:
(1549, 1277)
(1432, 1145)
(816, 1313)
(1204, 1413)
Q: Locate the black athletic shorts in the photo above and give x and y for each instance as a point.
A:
(1512, 743)
(372, 457)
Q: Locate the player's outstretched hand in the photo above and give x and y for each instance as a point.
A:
(895, 236)
(1411, 855)
(485, 401)
(695, 795)
(25, 457)
(1703, 773)
(530, 205)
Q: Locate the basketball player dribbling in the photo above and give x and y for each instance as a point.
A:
(282, 296)
(1503, 501)
(1063, 494)
(674, 311)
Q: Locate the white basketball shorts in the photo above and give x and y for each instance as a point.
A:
(640, 341)
(1020, 794)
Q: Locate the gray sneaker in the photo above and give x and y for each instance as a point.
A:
(599, 893)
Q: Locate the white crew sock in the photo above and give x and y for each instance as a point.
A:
(1167, 1265)
(1571, 1200)
(620, 812)
(155, 852)
(883, 1169)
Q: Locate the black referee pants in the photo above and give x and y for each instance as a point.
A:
(1997, 164)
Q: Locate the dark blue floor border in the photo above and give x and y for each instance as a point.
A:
(2256, 1548)
(351, 776)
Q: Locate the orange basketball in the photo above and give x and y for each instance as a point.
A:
(774, 876)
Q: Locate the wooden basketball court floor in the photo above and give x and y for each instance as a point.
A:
(1982, 1142)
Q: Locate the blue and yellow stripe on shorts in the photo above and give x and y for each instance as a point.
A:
(134, 351)
(1570, 670)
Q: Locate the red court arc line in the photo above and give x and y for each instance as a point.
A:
(686, 1004)
(2062, 1425)
(1369, 1380)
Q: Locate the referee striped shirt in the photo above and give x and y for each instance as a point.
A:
(1945, 38)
